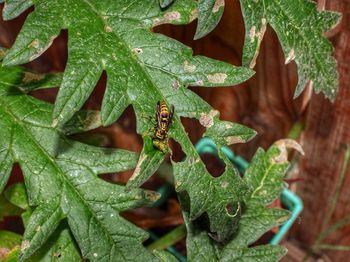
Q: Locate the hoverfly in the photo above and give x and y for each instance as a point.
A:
(164, 118)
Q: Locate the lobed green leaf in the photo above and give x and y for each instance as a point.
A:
(209, 15)
(299, 27)
(61, 180)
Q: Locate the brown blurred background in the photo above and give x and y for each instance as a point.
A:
(264, 103)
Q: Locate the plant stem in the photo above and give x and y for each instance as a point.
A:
(334, 201)
(296, 130)
(334, 247)
(339, 224)
(169, 239)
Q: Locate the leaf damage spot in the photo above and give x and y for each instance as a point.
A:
(177, 184)
(29, 77)
(199, 83)
(291, 56)
(188, 67)
(3, 252)
(54, 122)
(230, 140)
(108, 29)
(38, 228)
(194, 14)
(171, 16)
(207, 119)
(283, 145)
(217, 78)
(152, 196)
(224, 184)
(230, 209)
(25, 245)
(114, 56)
(137, 50)
(218, 4)
(259, 35)
(91, 121)
(176, 85)
(167, 18)
(282, 219)
(34, 44)
(252, 33)
(95, 255)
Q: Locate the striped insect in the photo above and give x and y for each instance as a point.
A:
(164, 118)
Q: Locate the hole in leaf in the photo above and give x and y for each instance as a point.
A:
(213, 164)
(233, 209)
(178, 154)
(193, 128)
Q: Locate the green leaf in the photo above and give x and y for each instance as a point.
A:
(165, 3)
(219, 197)
(9, 239)
(263, 253)
(199, 245)
(265, 173)
(33, 81)
(142, 68)
(300, 29)
(209, 15)
(265, 179)
(164, 256)
(7, 208)
(59, 247)
(224, 132)
(14, 8)
(113, 38)
(255, 221)
(9, 245)
(147, 165)
(3, 52)
(61, 180)
(16, 194)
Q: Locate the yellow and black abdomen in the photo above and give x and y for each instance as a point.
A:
(163, 119)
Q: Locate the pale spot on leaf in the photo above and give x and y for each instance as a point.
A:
(252, 34)
(188, 67)
(25, 245)
(108, 29)
(171, 16)
(29, 77)
(233, 140)
(259, 35)
(217, 78)
(207, 119)
(137, 50)
(199, 83)
(34, 44)
(224, 184)
(217, 5)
